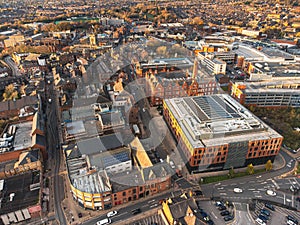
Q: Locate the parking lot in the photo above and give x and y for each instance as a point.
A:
(278, 216)
(214, 211)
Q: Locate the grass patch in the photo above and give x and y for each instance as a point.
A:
(298, 169)
(207, 180)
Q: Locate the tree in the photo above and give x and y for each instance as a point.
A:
(268, 165)
(231, 172)
(10, 93)
(250, 169)
(162, 50)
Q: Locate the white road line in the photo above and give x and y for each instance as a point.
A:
(264, 182)
(296, 181)
(252, 181)
(284, 198)
(276, 185)
(214, 215)
(251, 189)
(223, 193)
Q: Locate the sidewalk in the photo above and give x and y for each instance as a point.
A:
(278, 163)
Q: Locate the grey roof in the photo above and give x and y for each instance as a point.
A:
(33, 155)
(100, 144)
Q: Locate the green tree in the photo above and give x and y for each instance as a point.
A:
(268, 165)
(231, 172)
(250, 169)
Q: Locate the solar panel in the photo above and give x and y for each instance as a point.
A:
(115, 159)
(211, 108)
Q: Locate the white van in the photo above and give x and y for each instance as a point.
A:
(104, 221)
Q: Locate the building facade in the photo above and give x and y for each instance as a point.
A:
(283, 93)
(216, 132)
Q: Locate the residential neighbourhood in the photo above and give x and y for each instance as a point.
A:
(149, 112)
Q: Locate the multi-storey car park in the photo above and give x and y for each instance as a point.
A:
(216, 132)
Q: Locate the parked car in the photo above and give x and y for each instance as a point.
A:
(198, 193)
(260, 222)
(228, 218)
(210, 222)
(224, 213)
(269, 206)
(292, 219)
(263, 218)
(265, 212)
(172, 164)
(219, 204)
(222, 207)
(290, 222)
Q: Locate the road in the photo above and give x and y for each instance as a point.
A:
(124, 213)
(54, 153)
(13, 66)
(255, 187)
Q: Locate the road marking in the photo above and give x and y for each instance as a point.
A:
(214, 215)
(256, 191)
(261, 189)
(276, 185)
(296, 181)
(264, 182)
(152, 206)
(223, 193)
(284, 198)
(220, 188)
(252, 181)
(251, 189)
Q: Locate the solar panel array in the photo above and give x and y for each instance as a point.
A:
(215, 107)
(115, 159)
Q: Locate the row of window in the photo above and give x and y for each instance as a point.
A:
(261, 154)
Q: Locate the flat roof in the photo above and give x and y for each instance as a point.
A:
(277, 70)
(217, 119)
(272, 86)
(75, 127)
(19, 185)
(22, 139)
(110, 158)
(100, 144)
(249, 53)
(276, 53)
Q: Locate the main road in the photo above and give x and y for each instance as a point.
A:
(12, 65)
(54, 153)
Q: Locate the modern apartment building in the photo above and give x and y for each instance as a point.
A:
(280, 93)
(215, 132)
(213, 64)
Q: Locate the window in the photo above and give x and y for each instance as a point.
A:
(124, 193)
